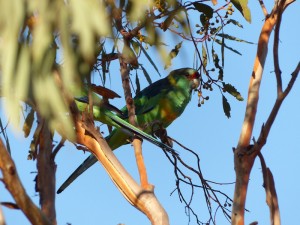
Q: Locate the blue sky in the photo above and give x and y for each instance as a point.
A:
(93, 198)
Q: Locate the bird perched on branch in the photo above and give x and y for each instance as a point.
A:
(158, 104)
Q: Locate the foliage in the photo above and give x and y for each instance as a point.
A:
(41, 32)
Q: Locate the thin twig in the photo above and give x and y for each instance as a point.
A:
(275, 50)
(209, 193)
(267, 126)
(263, 7)
(58, 147)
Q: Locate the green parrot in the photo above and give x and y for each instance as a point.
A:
(158, 104)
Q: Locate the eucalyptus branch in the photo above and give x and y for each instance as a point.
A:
(275, 50)
(271, 195)
(88, 136)
(2, 219)
(14, 186)
(245, 154)
(46, 172)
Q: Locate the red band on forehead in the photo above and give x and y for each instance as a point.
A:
(195, 75)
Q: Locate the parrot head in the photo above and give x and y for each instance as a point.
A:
(185, 75)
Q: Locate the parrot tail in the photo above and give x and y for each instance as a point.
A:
(91, 160)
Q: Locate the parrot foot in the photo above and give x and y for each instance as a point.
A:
(160, 131)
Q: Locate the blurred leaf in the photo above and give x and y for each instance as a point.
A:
(229, 37)
(150, 60)
(148, 78)
(222, 50)
(152, 36)
(3, 132)
(137, 83)
(216, 61)
(85, 23)
(105, 92)
(136, 47)
(226, 106)
(138, 9)
(52, 106)
(21, 81)
(175, 15)
(235, 23)
(229, 48)
(34, 142)
(28, 123)
(242, 6)
(233, 91)
(130, 57)
(204, 56)
(207, 10)
(214, 2)
(173, 53)
(165, 25)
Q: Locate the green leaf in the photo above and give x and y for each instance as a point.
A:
(204, 56)
(229, 48)
(136, 47)
(146, 75)
(222, 50)
(149, 59)
(235, 23)
(137, 83)
(130, 57)
(242, 6)
(174, 52)
(226, 106)
(233, 91)
(165, 25)
(53, 107)
(216, 61)
(229, 37)
(207, 10)
(28, 123)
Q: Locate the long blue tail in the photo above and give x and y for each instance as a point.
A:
(91, 160)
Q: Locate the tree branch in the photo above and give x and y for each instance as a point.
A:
(46, 173)
(2, 219)
(275, 51)
(14, 186)
(145, 201)
(243, 159)
(271, 195)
